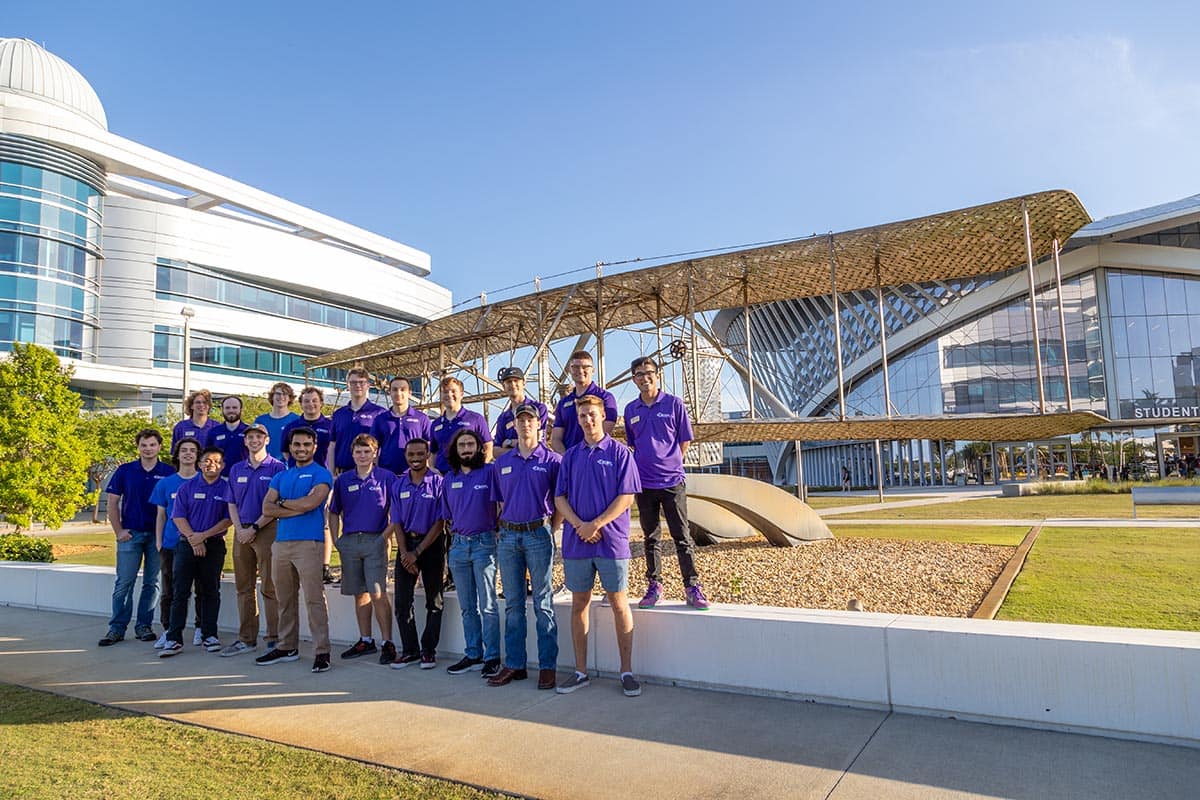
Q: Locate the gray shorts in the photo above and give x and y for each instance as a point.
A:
(364, 563)
(580, 574)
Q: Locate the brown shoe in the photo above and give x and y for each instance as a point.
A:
(507, 676)
(547, 679)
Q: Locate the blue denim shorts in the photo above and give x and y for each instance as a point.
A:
(580, 574)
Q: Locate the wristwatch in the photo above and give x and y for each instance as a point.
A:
(255, 526)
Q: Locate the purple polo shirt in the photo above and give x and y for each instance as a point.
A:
(526, 485)
(292, 484)
(416, 506)
(506, 423)
(324, 430)
(231, 442)
(275, 428)
(467, 501)
(249, 485)
(135, 485)
(591, 478)
(394, 431)
(655, 433)
(445, 429)
(348, 423)
(186, 429)
(362, 502)
(566, 417)
(201, 503)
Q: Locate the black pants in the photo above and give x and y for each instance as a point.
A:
(673, 504)
(166, 561)
(204, 570)
(431, 565)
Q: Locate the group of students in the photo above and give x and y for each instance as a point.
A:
(440, 491)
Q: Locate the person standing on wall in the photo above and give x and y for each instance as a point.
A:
(455, 417)
(312, 400)
(229, 437)
(566, 432)
(197, 424)
(275, 420)
(505, 436)
(398, 425)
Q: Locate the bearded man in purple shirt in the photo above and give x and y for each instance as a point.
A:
(456, 418)
(596, 485)
(467, 504)
(659, 431)
(523, 482)
(230, 436)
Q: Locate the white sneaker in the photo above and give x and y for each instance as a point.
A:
(161, 642)
(237, 648)
(198, 639)
(212, 644)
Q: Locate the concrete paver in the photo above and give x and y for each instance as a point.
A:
(670, 742)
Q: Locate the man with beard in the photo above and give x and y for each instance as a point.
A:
(467, 503)
(455, 417)
(311, 401)
(229, 437)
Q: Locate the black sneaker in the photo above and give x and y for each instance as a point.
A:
(144, 634)
(321, 663)
(111, 638)
(276, 656)
(360, 648)
(405, 660)
(491, 668)
(387, 653)
(326, 575)
(466, 664)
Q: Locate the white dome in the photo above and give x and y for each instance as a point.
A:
(26, 68)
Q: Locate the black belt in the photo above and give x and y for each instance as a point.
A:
(532, 525)
(356, 533)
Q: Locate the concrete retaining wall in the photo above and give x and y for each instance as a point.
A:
(1121, 682)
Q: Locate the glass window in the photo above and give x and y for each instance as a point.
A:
(1160, 343)
(1134, 297)
(1176, 295)
(1137, 336)
(1155, 288)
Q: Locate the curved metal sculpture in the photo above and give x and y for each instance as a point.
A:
(713, 524)
(781, 517)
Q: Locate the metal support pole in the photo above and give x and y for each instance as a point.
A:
(801, 492)
(887, 384)
(837, 331)
(749, 349)
(188, 312)
(1037, 339)
(695, 410)
(1062, 327)
(879, 470)
(658, 320)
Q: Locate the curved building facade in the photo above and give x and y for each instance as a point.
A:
(103, 242)
(1130, 351)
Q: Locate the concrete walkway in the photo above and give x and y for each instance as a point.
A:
(668, 743)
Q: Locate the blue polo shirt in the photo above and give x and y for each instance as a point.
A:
(275, 431)
(135, 485)
(249, 485)
(506, 424)
(348, 423)
(444, 431)
(467, 501)
(655, 432)
(415, 507)
(163, 496)
(591, 478)
(231, 442)
(201, 503)
(186, 429)
(526, 485)
(322, 426)
(362, 502)
(292, 484)
(393, 431)
(567, 417)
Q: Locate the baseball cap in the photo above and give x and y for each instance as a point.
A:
(527, 408)
(257, 426)
(511, 372)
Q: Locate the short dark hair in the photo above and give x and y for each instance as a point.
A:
(359, 371)
(400, 378)
(315, 390)
(179, 446)
(147, 433)
(452, 451)
(232, 397)
(581, 355)
(303, 430)
(364, 440)
(642, 361)
(210, 450)
(416, 440)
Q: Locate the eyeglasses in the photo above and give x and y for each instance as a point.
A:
(645, 373)
(358, 381)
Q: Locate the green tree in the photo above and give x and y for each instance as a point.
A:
(109, 437)
(43, 459)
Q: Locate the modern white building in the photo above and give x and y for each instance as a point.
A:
(103, 242)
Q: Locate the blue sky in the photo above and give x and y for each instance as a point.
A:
(510, 140)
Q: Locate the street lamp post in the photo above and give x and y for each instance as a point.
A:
(187, 312)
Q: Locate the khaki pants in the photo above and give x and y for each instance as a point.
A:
(249, 562)
(296, 567)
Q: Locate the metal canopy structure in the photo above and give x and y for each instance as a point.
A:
(970, 241)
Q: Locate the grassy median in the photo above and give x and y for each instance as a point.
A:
(64, 747)
(1078, 506)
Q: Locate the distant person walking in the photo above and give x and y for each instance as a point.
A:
(846, 479)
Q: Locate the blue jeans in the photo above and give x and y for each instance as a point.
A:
(140, 552)
(534, 551)
(473, 565)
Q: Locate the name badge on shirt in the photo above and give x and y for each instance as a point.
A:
(505, 470)
(635, 420)
(509, 425)
(456, 485)
(221, 438)
(438, 427)
(405, 495)
(352, 488)
(198, 496)
(242, 479)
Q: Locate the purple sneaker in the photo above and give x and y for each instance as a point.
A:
(696, 598)
(652, 596)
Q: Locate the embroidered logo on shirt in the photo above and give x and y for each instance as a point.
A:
(604, 463)
(662, 415)
(539, 469)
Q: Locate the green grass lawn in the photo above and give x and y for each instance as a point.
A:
(99, 549)
(839, 500)
(1140, 578)
(1115, 506)
(974, 534)
(64, 747)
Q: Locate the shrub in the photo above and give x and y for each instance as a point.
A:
(20, 547)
